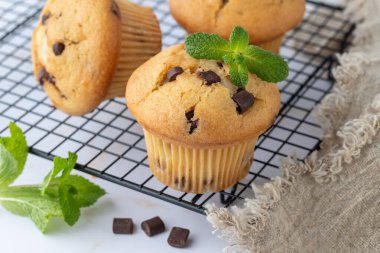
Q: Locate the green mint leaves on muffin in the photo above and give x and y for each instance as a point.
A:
(241, 57)
(60, 194)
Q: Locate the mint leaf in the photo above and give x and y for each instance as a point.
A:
(60, 165)
(87, 193)
(206, 46)
(28, 202)
(266, 65)
(238, 70)
(70, 208)
(73, 192)
(239, 55)
(8, 168)
(60, 194)
(239, 39)
(18, 149)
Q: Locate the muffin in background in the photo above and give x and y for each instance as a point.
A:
(200, 129)
(266, 21)
(84, 51)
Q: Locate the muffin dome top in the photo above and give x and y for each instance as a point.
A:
(191, 101)
(263, 19)
(75, 50)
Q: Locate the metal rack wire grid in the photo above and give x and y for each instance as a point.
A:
(109, 142)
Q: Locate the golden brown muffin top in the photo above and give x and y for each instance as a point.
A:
(263, 19)
(75, 49)
(186, 110)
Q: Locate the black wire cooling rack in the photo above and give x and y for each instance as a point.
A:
(109, 142)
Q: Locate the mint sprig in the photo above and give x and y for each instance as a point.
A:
(241, 57)
(60, 195)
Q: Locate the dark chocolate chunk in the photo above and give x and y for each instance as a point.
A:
(193, 126)
(244, 100)
(153, 226)
(189, 115)
(58, 48)
(44, 18)
(42, 74)
(50, 79)
(193, 123)
(210, 77)
(178, 237)
(115, 9)
(122, 226)
(173, 73)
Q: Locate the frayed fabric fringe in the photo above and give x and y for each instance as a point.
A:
(239, 226)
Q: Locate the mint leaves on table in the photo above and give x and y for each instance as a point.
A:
(241, 57)
(60, 194)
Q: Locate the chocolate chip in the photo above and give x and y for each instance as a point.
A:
(58, 48)
(44, 18)
(173, 73)
(178, 237)
(42, 76)
(183, 182)
(115, 9)
(122, 226)
(193, 126)
(189, 115)
(193, 123)
(153, 226)
(208, 182)
(209, 76)
(244, 100)
(220, 64)
(50, 78)
(160, 165)
(180, 184)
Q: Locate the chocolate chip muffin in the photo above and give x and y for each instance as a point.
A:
(200, 129)
(266, 20)
(85, 50)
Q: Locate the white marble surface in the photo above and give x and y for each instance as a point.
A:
(93, 232)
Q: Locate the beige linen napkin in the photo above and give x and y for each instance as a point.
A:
(331, 201)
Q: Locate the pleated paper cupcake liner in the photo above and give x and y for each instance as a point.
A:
(198, 170)
(141, 39)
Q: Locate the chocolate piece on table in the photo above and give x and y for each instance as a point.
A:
(244, 100)
(122, 226)
(178, 237)
(153, 226)
(210, 77)
(173, 73)
(58, 48)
